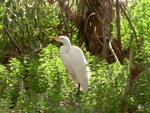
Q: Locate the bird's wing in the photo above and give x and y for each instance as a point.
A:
(67, 63)
(76, 65)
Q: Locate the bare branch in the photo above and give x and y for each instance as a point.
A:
(112, 50)
(118, 23)
(12, 39)
(130, 24)
(98, 37)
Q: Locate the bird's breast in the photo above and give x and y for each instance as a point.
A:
(65, 49)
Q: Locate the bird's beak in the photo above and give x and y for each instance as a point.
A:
(53, 37)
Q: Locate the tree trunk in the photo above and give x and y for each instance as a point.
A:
(95, 29)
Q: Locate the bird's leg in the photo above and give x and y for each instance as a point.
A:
(78, 92)
(77, 103)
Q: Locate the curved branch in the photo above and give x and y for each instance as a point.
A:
(112, 50)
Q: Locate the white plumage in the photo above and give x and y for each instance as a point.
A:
(74, 61)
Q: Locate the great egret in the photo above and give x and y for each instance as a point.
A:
(75, 62)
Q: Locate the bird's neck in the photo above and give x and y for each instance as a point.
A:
(67, 44)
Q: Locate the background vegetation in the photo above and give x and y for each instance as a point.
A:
(33, 78)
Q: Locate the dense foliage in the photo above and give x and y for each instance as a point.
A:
(33, 78)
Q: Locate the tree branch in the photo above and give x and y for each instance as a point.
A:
(112, 50)
(130, 24)
(118, 18)
(12, 39)
(118, 23)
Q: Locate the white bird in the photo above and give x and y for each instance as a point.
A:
(75, 62)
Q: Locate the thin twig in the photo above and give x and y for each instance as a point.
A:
(112, 50)
(97, 36)
(86, 23)
(130, 24)
(12, 39)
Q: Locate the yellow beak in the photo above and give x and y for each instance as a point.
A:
(53, 37)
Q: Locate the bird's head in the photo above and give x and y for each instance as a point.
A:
(62, 39)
